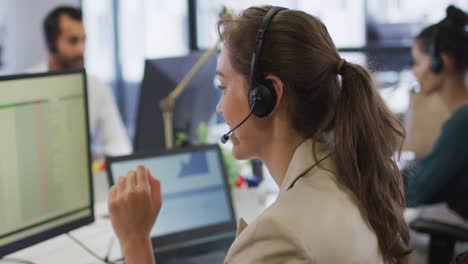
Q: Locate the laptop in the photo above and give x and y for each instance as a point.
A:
(196, 223)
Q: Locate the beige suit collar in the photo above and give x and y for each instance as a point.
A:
(303, 160)
(241, 226)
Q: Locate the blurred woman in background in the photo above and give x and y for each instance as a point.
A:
(440, 54)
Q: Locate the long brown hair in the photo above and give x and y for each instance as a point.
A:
(298, 49)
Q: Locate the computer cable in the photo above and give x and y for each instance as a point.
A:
(104, 259)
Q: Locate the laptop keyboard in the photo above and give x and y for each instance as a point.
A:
(210, 253)
(215, 257)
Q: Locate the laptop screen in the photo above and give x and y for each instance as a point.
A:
(194, 190)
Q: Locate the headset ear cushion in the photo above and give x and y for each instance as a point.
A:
(52, 47)
(436, 64)
(264, 95)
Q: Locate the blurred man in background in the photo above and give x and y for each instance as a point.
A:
(65, 38)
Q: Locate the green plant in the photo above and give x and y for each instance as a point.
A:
(202, 133)
(181, 139)
(233, 167)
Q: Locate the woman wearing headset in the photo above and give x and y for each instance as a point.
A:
(328, 142)
(440, 54)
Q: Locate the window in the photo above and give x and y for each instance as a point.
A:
(416, 11)
(100, 46)
(345, 21)
(146, 29)
(151, 29)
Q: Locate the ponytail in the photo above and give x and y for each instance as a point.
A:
(366, 136)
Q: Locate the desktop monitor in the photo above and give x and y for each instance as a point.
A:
(196, 104)
(45, 176)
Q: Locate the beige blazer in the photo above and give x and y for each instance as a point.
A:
(313, 220)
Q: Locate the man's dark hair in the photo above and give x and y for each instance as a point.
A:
(52, 23)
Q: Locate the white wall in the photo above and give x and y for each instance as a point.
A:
(23, 42)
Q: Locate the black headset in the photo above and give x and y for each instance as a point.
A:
(436, 63)
(262, 93)
(454, 18)
(52, 47)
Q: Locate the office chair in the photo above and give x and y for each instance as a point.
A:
(442, 238)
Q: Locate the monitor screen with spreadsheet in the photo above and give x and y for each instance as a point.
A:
(45, 176)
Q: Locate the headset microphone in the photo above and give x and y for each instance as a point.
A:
(225, 137)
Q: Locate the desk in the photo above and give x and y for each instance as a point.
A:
(248, 203)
